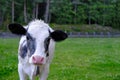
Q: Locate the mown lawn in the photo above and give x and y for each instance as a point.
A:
(74, 59)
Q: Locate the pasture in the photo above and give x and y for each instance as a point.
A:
(74, 59)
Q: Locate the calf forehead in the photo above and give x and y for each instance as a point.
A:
(37, 28)
(38, 32)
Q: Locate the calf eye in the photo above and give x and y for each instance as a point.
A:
(27, 37)
(46, 43)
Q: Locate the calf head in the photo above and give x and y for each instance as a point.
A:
(38, 36)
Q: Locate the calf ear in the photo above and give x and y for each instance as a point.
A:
(16, 28)
(58, 35)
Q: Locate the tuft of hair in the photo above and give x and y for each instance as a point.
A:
(38, 22)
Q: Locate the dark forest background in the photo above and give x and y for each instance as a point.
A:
(100, 12)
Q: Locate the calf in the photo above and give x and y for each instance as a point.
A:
(36, 48)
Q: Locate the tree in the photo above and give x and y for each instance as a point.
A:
(116, 15)
(13, 5)
(25, 11)
(102, 12)
(46, 17)
(62, 12)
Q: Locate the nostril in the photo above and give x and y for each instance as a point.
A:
(42, 59)
(33, 59)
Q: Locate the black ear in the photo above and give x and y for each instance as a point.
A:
(16, 28)
(58, 35)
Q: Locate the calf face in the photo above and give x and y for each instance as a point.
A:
(38, 38)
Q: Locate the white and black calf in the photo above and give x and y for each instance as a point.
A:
(36, 48)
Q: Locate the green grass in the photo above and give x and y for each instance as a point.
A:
(74, 59)
(8, 59)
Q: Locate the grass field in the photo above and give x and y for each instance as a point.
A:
(74, 59)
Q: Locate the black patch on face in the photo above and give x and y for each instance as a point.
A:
(46, 45)
(23, 49)
(30, 44)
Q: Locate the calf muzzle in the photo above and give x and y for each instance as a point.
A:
(38, 60)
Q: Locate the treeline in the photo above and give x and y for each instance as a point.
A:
(102, 12)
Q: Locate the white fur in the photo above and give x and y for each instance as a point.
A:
(39, 30)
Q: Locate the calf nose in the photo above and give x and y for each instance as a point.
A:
(38, 60)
